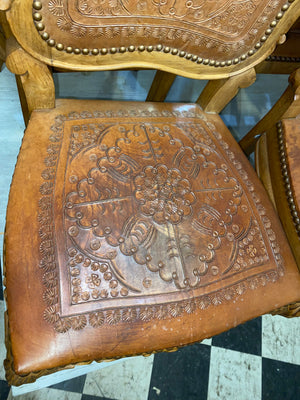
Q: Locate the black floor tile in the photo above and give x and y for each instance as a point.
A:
(4, 390)
(89, 397)
(181, 375)
(245, 338)
(280, 380)
(72, 385)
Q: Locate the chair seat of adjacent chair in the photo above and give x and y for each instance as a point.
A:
(148, 230)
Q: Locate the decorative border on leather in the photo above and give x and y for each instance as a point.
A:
(17, 380)
(283, 59)
(142, 313)
(40, 26)
(286, 178)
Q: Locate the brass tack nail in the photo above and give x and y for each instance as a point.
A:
(131, 48)
(229, 62)
(122, 49)
(235, 61)
(206, 61)
(217, 64)
(200, 60)
(258, 45)
(150, 48)
(104, 51)
(188, 56)
(212, 62)
(223, 64)
(273, 24)
(141, 48)
(263, 38)
(40, 26)
(37, 16)
(37, 5)
(285, 7)
(268, 31)
(159, 47)
(85, 51)
(45, 35)
(69, 49)
(51, 42)
(250, 52)
(77, 51)
(243, 57)
(174, 51)
(95, 52)
(182, 53)
(195, 58)
(59, 46)
(279, 15)
(167, 49)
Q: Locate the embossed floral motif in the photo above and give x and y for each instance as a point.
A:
(63, 325)
(163, 194)
(56, 7)
(103, 7)
(78, 322)
(97, 319)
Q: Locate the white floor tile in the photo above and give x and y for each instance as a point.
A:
(234, 375)
(127, 380)
(49, 394)
(281, 338)
(207, 341)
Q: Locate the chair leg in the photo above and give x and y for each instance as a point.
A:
(288, 106)
(217, 94)
(161, 85)
(289, 311)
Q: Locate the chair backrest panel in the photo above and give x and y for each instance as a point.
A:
(199, 38)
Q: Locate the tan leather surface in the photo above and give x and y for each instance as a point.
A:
(135, 227)
(219, 30)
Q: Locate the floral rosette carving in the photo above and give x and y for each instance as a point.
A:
(163, 194)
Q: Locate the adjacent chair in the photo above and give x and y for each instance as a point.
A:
(277, 165)
(136, 227)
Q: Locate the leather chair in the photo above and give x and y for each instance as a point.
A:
(136, 227)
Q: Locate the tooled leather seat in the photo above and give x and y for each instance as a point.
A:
(135, 227)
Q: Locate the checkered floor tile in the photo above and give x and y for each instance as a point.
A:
(259, 360)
